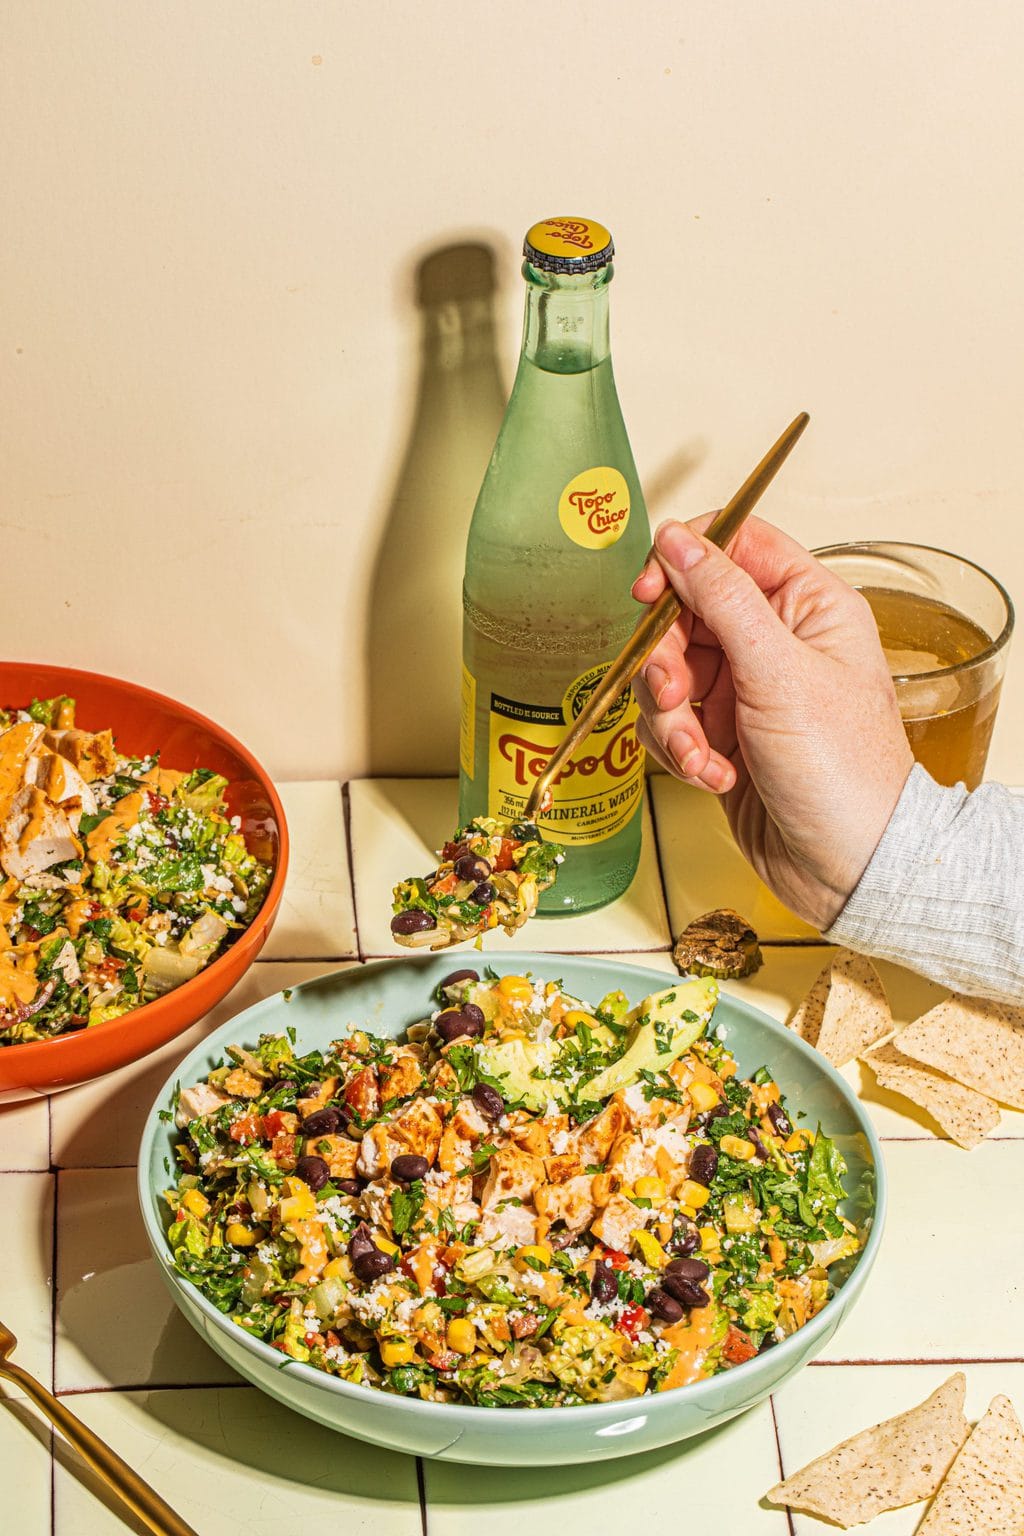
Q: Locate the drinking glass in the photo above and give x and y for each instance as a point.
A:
(945, 626)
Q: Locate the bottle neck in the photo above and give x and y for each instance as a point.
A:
(566, 329)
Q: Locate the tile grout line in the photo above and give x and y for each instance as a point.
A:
(778, 1454)
(922, 1360)
(155, 1386)
(346, 812)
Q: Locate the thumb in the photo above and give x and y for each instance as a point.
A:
(729, 602)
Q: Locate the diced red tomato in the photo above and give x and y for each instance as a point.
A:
(156, 803)
(616, 1259)
(451, 851)
(632, 1320)
(272, 1125)
(444, 1360)
(522, 1327)
(737, 1347)
(504, 858)
(244, 1129)
(136, 914)
(313, 1339)
(362, 1094)
(444, 887)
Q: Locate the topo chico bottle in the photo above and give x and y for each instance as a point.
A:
(558, 535)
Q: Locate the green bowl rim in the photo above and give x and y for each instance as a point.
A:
(585, 1413)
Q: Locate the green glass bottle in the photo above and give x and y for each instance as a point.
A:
(559, 533)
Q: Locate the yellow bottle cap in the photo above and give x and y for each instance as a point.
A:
(568, 245)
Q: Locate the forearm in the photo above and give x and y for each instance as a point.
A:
(943, 893)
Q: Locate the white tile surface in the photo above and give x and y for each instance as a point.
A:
(24, 1469)
(704, 869)
(234, 1463)
(949, 1279)
(116, 1323)
(710, 1484)
(26, 1221)
(25, 1135)
(827, 1404)
(99, 1125)
(398, 824)
(317, 919)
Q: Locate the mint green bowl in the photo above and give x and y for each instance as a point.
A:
(385, 998)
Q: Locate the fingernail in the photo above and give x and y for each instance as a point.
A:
(679, 545)
(716, 775)
(656, 679)
(642, 577)
(684, 749)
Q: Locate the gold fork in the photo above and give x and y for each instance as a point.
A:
(129, 1487)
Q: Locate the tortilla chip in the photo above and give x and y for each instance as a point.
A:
(962, 1113)
(892, 1464)
(806, 1021)
(846, 1010)
(983, 1494)
(979, 1043)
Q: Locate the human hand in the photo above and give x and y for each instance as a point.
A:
(798, 727)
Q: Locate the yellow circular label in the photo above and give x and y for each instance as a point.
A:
(568, 237)
(593, 509)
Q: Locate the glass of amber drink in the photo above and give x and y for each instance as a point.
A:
(945, 626)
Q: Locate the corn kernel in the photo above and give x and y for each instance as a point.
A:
(694, 1194)
(663, 1231)
(397, 1351)
(577, 1016)
(703, 1097)
(654, 1254)
(461, 1336)
(386, 1245)
(650, 1188)
(515, 988)
(796, 1143)
(627, 1191)
(195, 1202)
(293, 1185)
(240, 1236)
(709, 1238)
(533, 1251)
(297, 1208)
(340, 1268)
(741, 1150)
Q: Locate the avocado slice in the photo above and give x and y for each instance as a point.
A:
(645, 1047)
(513, 1062)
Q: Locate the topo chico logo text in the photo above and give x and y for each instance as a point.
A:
(572, 231)
(528, 758)
(598, 510)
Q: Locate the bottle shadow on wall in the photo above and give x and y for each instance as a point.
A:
(414, 626)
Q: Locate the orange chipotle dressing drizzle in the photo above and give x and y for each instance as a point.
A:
(103, 838)
(693, 1338)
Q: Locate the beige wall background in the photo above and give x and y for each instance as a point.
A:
(260, 308)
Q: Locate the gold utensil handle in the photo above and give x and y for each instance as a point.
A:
(130, 1488)
(657, 622)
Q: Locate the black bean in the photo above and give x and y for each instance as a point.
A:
(781, 1121)
(408, 1166)
(685, 1240)
(322, 1122)
(688, 1269)
(483, 895)
(456, 1022)
(314, 1171)
(488, 1101)
(372, 1265)
(349, 1186)
(754, 1136)
(361, 1243)
(474, 1014)
(663, 1305)
(704, 1165)
(686, 1291)
(525, 832)
(456, 977)
(603, 1286)
(415, 921)
(470, 867)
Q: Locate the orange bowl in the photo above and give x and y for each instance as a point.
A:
(142, 722)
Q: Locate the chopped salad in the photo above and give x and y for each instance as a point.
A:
(119, 879)
(490, 875)
(525, 1201)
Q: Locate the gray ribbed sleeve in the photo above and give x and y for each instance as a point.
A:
(944, 891)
